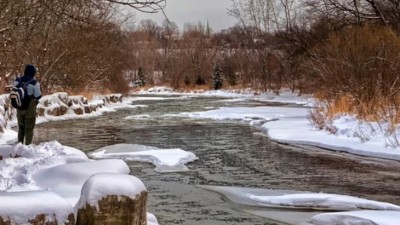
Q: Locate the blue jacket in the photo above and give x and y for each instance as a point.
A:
(33, 87)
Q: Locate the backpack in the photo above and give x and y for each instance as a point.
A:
(19, 94)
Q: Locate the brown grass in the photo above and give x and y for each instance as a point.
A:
(386, 111)
(341, 106)
(369, 111)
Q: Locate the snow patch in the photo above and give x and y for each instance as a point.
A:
(328, 201)
(165, 160)
(356, 218)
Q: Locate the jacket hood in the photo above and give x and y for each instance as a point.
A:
(30, 71)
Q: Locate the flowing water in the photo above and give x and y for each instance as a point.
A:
(231, 154)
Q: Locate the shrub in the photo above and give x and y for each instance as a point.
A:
(357, 70)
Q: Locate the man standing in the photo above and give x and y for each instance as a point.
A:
(27, 117)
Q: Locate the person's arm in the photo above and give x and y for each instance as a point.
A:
(34, 91)
(37, 93)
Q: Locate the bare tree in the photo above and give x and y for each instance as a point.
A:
(196, 44)
(169, 33)
(259, 14)
(76, 44)
(264, 15)
(385, 11)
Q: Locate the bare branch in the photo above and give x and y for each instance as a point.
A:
(147, 6)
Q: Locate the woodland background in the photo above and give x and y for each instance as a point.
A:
(344, 52)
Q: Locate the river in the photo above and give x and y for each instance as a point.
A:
(231, 154)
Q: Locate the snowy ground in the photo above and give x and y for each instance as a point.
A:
(57, 180)
(43, 167)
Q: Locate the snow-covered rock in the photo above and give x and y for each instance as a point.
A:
(42, 184)
(112, 98)
(116, 198)
(59, 104)
(35, 207)
(67, 180)
(56, 105)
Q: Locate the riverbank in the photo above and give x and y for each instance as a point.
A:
(55, 107)
(292, 125)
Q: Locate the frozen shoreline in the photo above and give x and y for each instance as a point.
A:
(292, 126)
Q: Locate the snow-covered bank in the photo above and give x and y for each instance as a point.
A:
(59, 181)
(325, 201)
(356, 217)
(245, 94)
(292, 124)
(69, 181)
(289, 207)
(58, 106)
(289, 199)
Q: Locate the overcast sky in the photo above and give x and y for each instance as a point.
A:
(183, 11)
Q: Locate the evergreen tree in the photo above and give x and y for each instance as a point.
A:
(217, 78)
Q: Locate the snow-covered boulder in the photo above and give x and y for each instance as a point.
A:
(54, 105)
(67, 180)
(35, 207)
(77, 104)
(99, 190)
(119, 199)
(78, 99)
(112, 98)
(59, 104)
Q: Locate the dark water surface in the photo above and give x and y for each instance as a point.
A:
(230, 154)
